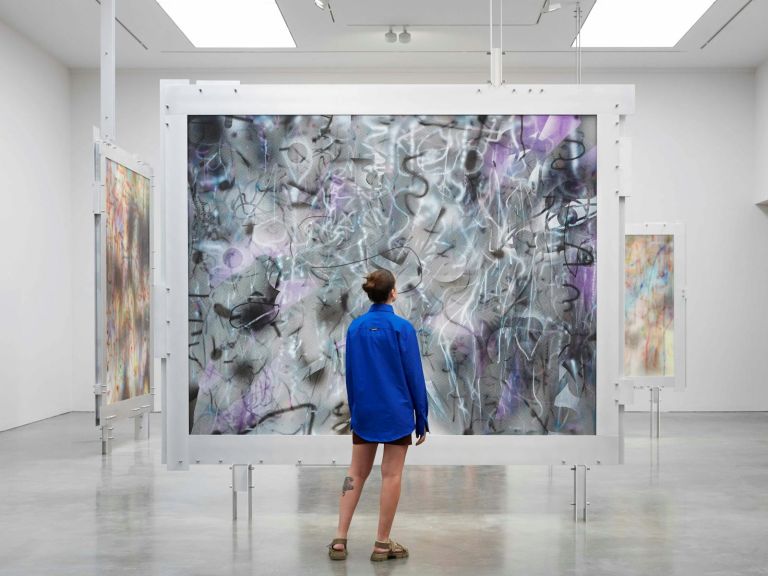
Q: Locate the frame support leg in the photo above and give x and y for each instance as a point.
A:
(234, 502)
(106, 436)
(242, 481)
(580, 501)
(106, 440)
(139, 420)
(250, 493)
(650, 412)
(138, 424)
(621, 433)
(655, 399)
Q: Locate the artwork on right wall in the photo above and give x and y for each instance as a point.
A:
(653, 304)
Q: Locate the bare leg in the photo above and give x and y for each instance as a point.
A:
(359, 469)
(391, 476)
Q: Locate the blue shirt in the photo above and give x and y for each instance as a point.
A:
(385, 380)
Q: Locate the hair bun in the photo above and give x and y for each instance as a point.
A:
(378, 285)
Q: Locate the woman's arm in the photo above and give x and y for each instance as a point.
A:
(348, 372)
(414, 375)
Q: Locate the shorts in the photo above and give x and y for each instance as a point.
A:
(404, 441)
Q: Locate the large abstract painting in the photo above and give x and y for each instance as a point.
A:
(488, 222)
(128, 283)
(649, 301)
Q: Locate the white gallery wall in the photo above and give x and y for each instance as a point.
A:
(694, 162)
(761, 132)
(36, 314)
(694, 156)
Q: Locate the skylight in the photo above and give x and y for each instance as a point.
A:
(230, 23)
(640, 23)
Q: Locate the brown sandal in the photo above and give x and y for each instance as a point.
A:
(394, 551)
(334, 554)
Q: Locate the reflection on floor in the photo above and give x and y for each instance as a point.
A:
(694, 503)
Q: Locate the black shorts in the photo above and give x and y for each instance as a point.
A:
(404, 441)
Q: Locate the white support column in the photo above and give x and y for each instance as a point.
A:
(99, 290)
(108, 66)
(577, 15)
(107, 134)
(496, 50)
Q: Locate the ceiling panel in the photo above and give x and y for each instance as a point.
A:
(416, 12)
(446, 34)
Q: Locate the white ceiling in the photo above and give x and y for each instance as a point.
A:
(447, 34)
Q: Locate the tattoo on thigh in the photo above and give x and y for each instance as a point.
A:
(347, 485)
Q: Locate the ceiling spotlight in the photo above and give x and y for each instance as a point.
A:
(549, 6)
(325, 5)
(405, 36)
(390, 36)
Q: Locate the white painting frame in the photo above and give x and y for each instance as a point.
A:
(180, 98)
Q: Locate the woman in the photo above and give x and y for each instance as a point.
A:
(387, 401)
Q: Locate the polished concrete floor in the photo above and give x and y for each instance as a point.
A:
(696, 502)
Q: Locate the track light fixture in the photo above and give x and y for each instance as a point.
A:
(391, 36)
(550, 6)
(320, 4)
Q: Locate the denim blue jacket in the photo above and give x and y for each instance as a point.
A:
(385, 380)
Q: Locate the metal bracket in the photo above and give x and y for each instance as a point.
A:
(624, 391)
(99, 201)
(242, 481)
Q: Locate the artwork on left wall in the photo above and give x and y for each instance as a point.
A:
(128, 268)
